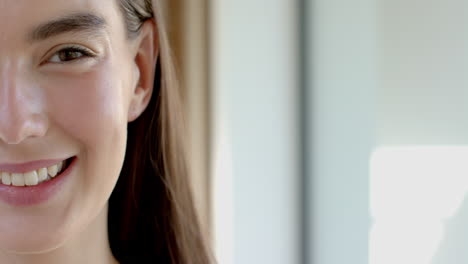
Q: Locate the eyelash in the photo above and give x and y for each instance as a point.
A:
(85, 53)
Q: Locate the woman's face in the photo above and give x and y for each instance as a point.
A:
(70, 81)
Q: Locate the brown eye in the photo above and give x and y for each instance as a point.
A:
(69, 54)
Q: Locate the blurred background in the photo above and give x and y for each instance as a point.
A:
(328, 131)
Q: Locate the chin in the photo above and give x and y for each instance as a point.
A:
(32, 242)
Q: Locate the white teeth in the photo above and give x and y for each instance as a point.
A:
(6, 178)
(52, 170)
(31, 178)
(60, 166)
(17, 179)
(42, 174)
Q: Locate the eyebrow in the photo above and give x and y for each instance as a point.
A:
(79, 22)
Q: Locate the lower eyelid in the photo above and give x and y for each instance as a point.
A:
(80, 65)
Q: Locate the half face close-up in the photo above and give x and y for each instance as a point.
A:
(69, 84)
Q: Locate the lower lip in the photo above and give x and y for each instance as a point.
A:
(33, 195)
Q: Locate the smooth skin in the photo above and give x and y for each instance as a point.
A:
(55, 104)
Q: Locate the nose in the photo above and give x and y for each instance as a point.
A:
(21, 108)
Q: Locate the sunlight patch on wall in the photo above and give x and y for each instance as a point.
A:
(413, 191)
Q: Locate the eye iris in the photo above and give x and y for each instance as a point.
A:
(68, 55)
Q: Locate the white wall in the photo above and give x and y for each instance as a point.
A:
(423, 72)
(419, 177)
(342, 83)
(256, 130)
(389, 125)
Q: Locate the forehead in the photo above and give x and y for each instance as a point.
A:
(18, 17)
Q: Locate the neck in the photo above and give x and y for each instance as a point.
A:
(89, 246)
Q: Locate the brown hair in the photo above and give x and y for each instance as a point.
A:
(152, 217)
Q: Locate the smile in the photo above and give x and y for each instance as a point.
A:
(33, 177)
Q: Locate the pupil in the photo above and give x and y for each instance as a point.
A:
(68, 55)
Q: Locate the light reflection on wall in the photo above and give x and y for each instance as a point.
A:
(414, 191)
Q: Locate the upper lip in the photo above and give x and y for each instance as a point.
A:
(28, 166)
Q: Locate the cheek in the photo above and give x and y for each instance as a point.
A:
(91, 110)
(90, 107)
(84, 104)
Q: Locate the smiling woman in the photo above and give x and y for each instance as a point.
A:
(92, 162)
